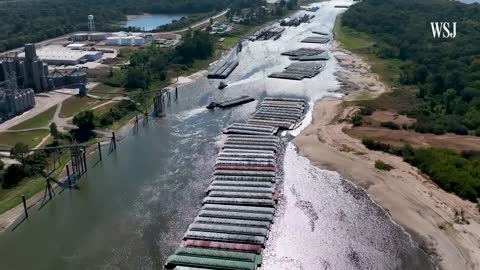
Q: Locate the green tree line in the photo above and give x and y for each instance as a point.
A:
(33, 21)
(446, 72)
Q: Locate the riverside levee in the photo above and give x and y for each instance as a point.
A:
(232, 226)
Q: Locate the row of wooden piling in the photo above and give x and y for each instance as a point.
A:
(231, 229)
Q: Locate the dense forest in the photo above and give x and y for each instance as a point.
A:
(33, 21)
(445, 71)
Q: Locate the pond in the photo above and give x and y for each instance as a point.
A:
(149, 22)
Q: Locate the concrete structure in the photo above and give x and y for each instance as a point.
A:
(138, 41)
(80, 37)
(57, 79)
(97, 36)
(14, 101)
(126, 41)
(59, 55)
(113, 41)
(29, 70)
(77, 77)
(76, 46)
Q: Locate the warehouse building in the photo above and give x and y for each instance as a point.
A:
(59, 55)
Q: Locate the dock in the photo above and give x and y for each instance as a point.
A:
(230, 102)
(232, 227)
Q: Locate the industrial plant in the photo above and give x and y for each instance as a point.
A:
(25, 74)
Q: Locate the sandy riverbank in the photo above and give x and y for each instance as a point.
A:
(414, 201)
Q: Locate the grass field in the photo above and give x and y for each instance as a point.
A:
(12, 197)
(107, 91)
(229, 42)
(75, 104)
(31, 138)
(40, 120)
(105, 108)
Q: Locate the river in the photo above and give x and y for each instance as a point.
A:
(149, 22)
(132, 209)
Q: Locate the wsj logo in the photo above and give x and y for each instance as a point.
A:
(443, 29)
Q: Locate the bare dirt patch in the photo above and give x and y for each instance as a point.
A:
(400, 137)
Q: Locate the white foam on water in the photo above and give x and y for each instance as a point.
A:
(190, 113)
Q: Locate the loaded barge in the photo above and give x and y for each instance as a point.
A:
(231, 229)
(230, 102)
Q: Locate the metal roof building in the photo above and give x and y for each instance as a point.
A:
(59, 55)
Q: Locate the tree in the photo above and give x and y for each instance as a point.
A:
(138, 77)
(18, 150)
(54, 131)
(86, 124)
(13, 174)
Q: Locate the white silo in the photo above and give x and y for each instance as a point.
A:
(113, 41)
(126, 41)
(138, 41)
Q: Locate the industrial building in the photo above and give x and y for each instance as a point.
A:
(14, 101)
(73, 78)
(59, 55)
(129, 39)
(30, 71)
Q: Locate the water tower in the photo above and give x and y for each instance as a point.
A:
(91, 24)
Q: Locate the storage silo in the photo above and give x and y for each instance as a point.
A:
(23, 101)
(138, 41)
(98, 36)
(126, 41)
(76, 77)
(113, 41)
(31, 97)
(16, 104)
(80, 37)
(57, 79)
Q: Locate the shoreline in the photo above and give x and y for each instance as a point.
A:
(413, 201)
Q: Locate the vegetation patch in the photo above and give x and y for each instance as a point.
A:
(31, 138)
(383, 166)
(38, 121)
(75, 104)
(106, 91)
(452, 171)
(436, 81)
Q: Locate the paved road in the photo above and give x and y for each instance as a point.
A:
(203, 22)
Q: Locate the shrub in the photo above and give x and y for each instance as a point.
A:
(13, 174)
(477, 132)
(383, 166)
(357, 120)
(366, 110)
(390, 125)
